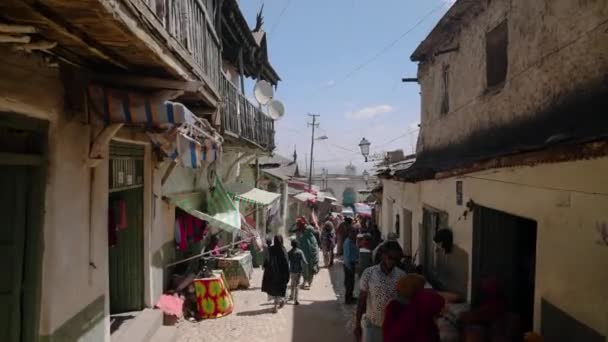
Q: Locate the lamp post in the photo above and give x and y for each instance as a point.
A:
(364, 146)
(366, 177)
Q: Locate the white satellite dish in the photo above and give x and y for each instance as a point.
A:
(263, 92)
(276, 109)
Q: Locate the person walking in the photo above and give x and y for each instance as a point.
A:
(276, 273)
(378, 251)
(377, 287)
(416, 322)
(297, 263)
(308, 243)
(266, 255)
(343, 232)
(328, 243)
(351, 258)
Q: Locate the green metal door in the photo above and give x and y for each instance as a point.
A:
(126, 253)
(13, 211)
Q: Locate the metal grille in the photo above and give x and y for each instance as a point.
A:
(126, 167)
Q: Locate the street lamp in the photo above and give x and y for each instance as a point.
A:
(365, 176)
(364, 146)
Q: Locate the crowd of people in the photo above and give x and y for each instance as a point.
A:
(395, 301)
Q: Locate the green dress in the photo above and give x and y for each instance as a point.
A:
(308, 243)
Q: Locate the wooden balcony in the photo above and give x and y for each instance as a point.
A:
(173, 40)
(242, 119)
(192, 24)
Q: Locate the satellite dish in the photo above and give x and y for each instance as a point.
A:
(263, 92)
(276, 110)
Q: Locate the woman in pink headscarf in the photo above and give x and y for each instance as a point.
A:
(416, 321)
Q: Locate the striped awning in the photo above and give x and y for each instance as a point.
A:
(305, 197)
(119, 106)
(177, 132)
(257, 196)
(221, 211)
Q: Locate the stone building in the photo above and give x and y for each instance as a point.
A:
(512, 161)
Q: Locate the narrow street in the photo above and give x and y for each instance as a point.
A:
(321, 316)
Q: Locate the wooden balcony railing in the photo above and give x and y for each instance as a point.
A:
(191, 23)
(243, 119)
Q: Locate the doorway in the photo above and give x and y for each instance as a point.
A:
(125, 228)
(504, 248)
(22, 180)
(406, 237)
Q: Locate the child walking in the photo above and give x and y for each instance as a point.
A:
(297, 262)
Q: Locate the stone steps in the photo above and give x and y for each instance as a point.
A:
(141, 328)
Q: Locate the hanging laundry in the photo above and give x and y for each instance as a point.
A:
(200, 229)
(178, 233)
(112, 235)
(119, 207)
(183, 241)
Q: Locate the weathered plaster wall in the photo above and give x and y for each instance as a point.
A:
(397, 196)
(571, 264)
(74, 231)
(556, 48)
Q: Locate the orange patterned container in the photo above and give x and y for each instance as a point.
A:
(213, 298)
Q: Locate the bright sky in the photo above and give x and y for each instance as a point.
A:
(344, 60)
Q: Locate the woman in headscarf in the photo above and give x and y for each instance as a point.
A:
(276, 273)
(328, 243)
(416, 320)
(406, 287)
(308, 243)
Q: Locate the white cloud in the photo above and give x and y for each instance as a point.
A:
(330, 83)
(370, 112)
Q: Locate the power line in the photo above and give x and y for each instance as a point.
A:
(389, 46)
(540, 186)
(276, 24)
(397, 138)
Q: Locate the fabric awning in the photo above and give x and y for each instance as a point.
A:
(177, 132)
(322, 196)
(258, 196)
(222, 212)
(305, 197)
(129, 107)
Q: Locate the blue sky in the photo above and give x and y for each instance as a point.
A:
(316, 45)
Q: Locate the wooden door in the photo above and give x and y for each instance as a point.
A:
(126, 249)
(126, 256)
(13, 211)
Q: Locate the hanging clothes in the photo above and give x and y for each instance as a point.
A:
(112, 235)
(188, 230)
(120, 210)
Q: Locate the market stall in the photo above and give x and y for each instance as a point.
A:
(237, 269)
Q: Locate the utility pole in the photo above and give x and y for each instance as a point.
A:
(314, 125)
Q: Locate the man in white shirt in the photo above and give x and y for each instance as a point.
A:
(377, 287)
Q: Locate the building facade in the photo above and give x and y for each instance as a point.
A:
(511, 161)
(93, 96)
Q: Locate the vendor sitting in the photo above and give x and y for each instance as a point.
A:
(214, 246)
(480, 321)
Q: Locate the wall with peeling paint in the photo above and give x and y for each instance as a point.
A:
(556, 50)
(571, 258)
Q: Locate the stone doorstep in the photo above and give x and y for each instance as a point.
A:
(141, 328)
(165, 334)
